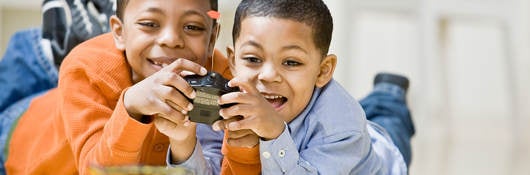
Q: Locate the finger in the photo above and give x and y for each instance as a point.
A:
(238, 98)
(248, 93)
(178, 83)
(221, 124)
(186, 73)
(245, 85)
(239, 133)
(164, 125)
(182, 64)
(174, 98)
(240, 124)
(247, 141)
(177, 107)
(231, 97)
(160, 107)
(187, 121)
(174, 117)
(240, 109)
(218, 125)
(170, 128)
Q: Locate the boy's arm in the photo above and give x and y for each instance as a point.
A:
(195, 162)
(340, 153)
(99, 134)
(206, 157)
(240, 160)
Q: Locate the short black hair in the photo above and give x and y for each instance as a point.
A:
(313, 13)
(121, 4)
(120, 8)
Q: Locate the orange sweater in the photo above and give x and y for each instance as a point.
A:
(83, 121)
(237, 160)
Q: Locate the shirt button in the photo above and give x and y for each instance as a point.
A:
(266, 154)
(159, 147)
(281, 153)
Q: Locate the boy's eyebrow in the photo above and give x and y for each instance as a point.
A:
(252, 43)
(194, 12)
(187, 12)
(154, 10)
(288, 47)
(293, 47)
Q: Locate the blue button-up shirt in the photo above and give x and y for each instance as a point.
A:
(331, 136)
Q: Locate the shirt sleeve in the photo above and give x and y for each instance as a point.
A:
(197, 163)
(239, 160)
(328, 155)
(206, 157)
(99, 132)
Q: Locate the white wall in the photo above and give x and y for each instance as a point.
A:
(16, 15)
(468, 64)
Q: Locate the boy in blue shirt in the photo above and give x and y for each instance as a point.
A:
(306, 122)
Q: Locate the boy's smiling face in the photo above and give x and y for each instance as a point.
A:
(154, 33)
(281, 59)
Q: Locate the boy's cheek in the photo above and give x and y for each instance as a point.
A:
(247, 76)
(241, 70)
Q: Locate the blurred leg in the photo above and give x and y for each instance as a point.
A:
(386, 105)
(8, 120)
(24, 68)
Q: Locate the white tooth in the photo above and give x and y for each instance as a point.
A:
(164, 65)
(272, 97)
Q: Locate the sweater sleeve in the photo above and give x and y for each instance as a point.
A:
(238, 160)
(99, 130)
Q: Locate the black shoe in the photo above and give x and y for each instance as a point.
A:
(396, 79)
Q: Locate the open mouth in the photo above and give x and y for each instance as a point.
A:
(159, 64)
(276, 101)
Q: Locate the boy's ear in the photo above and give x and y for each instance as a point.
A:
(327, 67)
(116, 27)
(213, 38)
(231, 58)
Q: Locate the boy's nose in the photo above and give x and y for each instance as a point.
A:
(171, 38)
(269, 73)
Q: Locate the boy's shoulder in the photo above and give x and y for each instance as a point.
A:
(334, 108)
(97, 60)
(100, 45)
(94, 53)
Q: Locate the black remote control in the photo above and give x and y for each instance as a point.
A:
(208, 88)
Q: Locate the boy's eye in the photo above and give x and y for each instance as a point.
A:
(193, 28)
(292, 63)
(148, 24)
(252, 59)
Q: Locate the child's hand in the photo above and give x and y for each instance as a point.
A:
(242, 138)
(258, 114)
(164, 95)
(239, 138)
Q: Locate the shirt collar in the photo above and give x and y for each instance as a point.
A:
(297, 122)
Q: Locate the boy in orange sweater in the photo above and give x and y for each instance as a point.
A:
(121, 95)
(305, 121)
